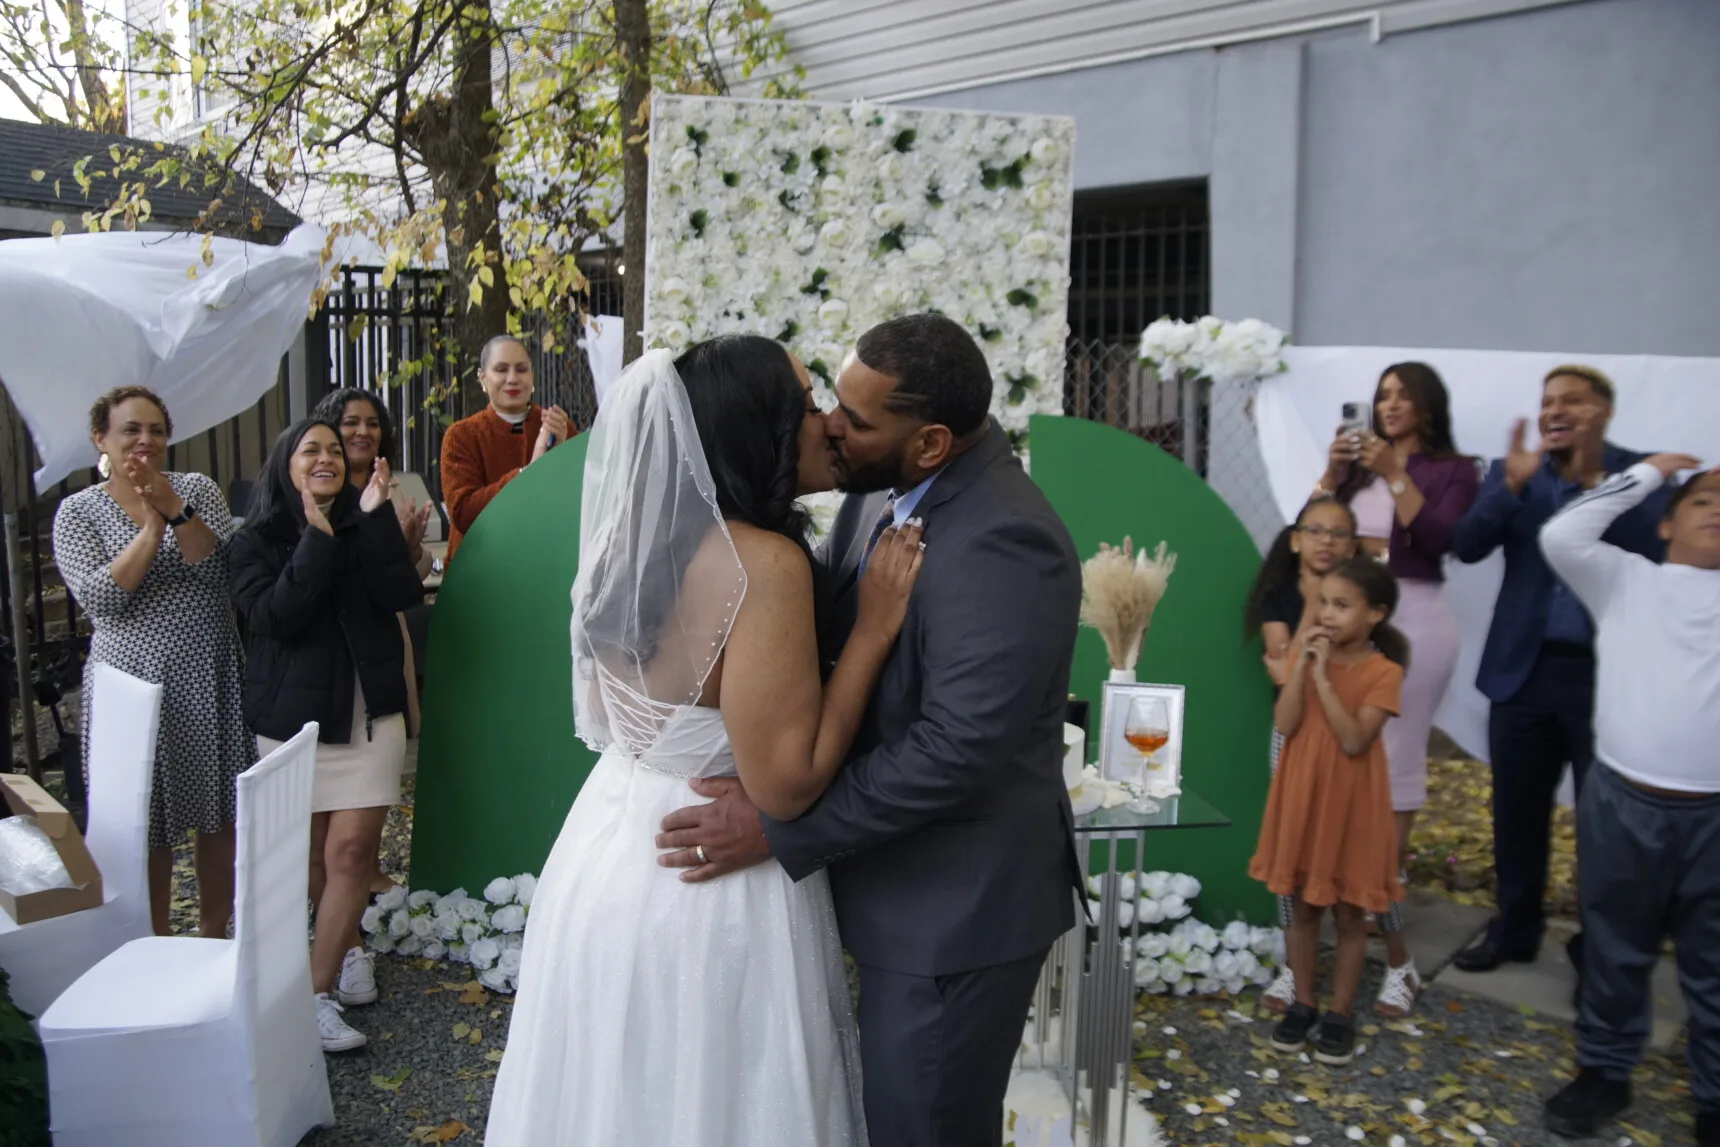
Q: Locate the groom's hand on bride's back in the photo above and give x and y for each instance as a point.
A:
(728, 829)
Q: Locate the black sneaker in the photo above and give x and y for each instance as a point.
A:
(1708, 1129)
(1292, 1031)
(1336, 1044)
(1586, 1104)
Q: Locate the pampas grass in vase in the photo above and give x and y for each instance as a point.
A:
(1119, 591)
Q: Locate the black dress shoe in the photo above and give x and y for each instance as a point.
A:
(1587, 1104)
(1487, 954)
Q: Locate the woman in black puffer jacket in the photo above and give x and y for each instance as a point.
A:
(319, 572)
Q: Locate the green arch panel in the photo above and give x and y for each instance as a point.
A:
(1107, 484)
(498, 764)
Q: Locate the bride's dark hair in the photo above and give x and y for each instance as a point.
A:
(748, 405)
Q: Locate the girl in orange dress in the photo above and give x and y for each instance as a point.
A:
(1327, 837)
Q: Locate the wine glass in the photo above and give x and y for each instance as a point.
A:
(1148, 729)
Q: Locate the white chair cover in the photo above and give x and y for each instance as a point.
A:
(206, 1043)
(42, 959)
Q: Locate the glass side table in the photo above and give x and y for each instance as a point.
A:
(1081, 1033)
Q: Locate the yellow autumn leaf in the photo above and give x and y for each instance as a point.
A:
(58, 229)
(38, 175)
(199, 69)
(461, 1031)
(474, 294)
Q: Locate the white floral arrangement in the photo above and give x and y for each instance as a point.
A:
(811, 222)
(1245, 351)
(485, 932)
(1181, 956)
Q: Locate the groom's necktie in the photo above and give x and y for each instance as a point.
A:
(885, 519)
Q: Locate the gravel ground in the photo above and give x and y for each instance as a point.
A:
(1475, 1070)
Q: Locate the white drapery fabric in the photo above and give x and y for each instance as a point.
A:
(85, 313)
(603, 347)
(1664, 403)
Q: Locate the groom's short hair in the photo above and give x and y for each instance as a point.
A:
(941, 374)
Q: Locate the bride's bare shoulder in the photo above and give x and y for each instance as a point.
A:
(768, 557)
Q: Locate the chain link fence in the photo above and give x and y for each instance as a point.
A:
(1211, 428)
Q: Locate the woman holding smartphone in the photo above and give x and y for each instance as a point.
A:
(1409, 487)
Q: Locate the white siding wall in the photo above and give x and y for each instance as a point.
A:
(900, 49)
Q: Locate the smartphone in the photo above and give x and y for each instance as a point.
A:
(1355, 420)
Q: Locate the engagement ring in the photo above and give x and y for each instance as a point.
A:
(699, 851)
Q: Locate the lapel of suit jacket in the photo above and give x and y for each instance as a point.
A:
(849, 535)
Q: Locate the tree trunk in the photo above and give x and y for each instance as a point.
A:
(633, 29)
(456, 136)
(105, 113)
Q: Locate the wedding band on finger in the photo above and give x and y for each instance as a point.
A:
(699, 851)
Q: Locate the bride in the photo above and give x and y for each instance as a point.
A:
(654, 1012)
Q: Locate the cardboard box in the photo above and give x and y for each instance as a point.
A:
(28, 798)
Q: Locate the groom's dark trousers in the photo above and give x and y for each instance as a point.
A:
(948, 835)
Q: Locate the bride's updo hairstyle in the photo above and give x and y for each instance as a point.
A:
(748, 405)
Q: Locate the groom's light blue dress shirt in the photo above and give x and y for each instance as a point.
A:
(902, 508)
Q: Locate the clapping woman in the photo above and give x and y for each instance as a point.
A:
(319, 572)
(144, 553)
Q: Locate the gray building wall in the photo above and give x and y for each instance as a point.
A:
(1541, 181)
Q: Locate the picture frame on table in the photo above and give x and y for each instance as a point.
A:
(1139, 716)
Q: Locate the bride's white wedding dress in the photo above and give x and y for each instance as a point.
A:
(656, 1013)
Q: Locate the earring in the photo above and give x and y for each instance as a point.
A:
(104, 467)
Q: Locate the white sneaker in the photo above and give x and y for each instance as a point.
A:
(1398, 991)
(357, 978)
(336, 1035)
(1282, 993)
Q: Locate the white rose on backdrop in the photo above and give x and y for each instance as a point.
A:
(525, 887)
(674, 292)
(683, 162)
(1149, 911)
(1178, 945)
(888, 216)
(802, 238)
(435, 950)
(1208, 985)
(394, 898)
(1183, 987)
(1185, 886)
(833, 191)
(1040, 196)
(1204, 937)
(1236, 935)
(1246, 964)
(1235, 985)
(1175, 907)
(838, 136)
(447, 927)
(1045, 151)
(831, 355)
(1038, 244)
(1198, 962)
(509, 918)
(1261, 975)
(399, 924)
(926, 252)
(1226, 966)
(1156, 884)
(420, 900)
(1125, 914)
(1126, 886)
(891, 167)
(470, 909)
(1153, 945)
(371, 921)
(423, 927)
(499, 891)
(1146, 971)
(835, 233)
(471, 932)
(675, 335)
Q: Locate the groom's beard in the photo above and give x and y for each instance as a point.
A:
(870, 477)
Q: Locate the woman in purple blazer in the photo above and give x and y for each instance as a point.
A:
(1409, 487)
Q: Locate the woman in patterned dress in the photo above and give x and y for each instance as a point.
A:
(144, 553)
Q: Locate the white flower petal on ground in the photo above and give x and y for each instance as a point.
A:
(1416, 1106)
(1397, 1141)
(1355, 1134)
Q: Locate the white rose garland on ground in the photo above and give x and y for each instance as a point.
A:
(486, 932)
(811, 222)
(1221, 352)
(1177, 954)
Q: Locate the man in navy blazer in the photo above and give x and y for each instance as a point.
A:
(1538, 667)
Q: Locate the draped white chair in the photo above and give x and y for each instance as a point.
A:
(42, 959)
(182, 1042)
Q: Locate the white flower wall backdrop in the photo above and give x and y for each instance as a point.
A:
(809, 223)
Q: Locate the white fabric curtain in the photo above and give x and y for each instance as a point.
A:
(85, 313)
(1663, 404)
(602, 343)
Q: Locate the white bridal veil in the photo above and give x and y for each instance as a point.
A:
(659, 580)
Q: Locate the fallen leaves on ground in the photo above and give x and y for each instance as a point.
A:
(442, 1133)
(1452, 846)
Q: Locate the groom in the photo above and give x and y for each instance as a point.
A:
(948, 833)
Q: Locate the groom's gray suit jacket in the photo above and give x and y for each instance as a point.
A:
(948, 833)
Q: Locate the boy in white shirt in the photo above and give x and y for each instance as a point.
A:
(1648, 823)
